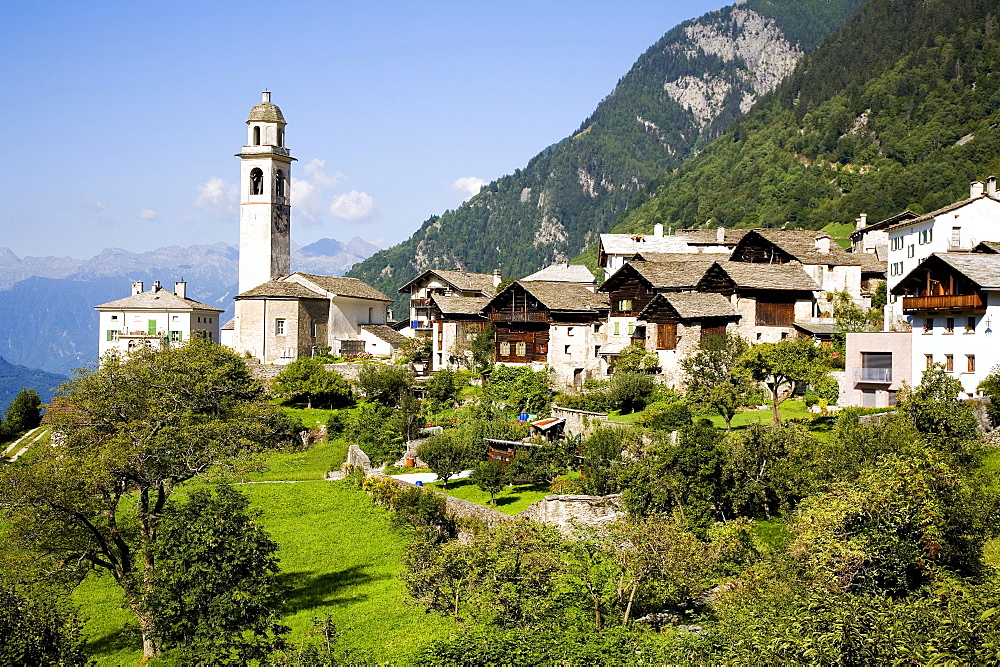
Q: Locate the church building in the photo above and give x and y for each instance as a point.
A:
(281, 316)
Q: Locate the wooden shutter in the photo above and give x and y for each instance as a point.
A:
(776, 314)
(712, 330)
(666, 336)
(151, 327)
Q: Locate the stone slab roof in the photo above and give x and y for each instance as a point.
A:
(564, 273)
(769, 276)
(386, 333)
(870, 263)
(564, 296)
(281, 289)
(699, 305)
(685, 273)
(343, 286)
(980, 268)
(267, 113)
(891, 221)
(628, 244)
(465, 281)
(989, 247)
(160, 299)
(824, 329)
(711, 236)
(450, 304)
(801, 244)
(646, 256)
(229, 326)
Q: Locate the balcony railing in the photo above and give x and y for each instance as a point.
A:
(874, 375)
(421, 325)
(519, 317)
(946, 302)
(420, 303)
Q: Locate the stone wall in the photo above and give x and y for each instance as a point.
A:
(565, 511)
(575, 420)
(456, 508)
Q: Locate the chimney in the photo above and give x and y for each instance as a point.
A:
(720, 235)
(266, 97)
(137, 287)
(991, 186)
(658, 230)
(861, 222)
(823, 244)
(156, 285)
(496, 278)
(180, 288)
(975, 189)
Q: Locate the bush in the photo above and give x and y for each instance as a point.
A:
(381, 489)
(424, 510)
(519, 389)
(308, 381)
(336, 424)
(664, 416)
(630, 391)
(383, 383)
(354, 476)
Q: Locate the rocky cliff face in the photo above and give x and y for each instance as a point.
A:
(678, 96)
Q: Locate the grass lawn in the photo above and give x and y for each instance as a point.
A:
(512, 500)
(311, 417)
(790, 409)
(339, 556)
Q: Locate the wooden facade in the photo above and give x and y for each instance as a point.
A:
(775, 309)
(522, 344)
(633, 292)
(940, 287)
(716, 280)
(714, 326)
(758, 250)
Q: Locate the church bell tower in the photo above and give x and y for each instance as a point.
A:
(265, 184)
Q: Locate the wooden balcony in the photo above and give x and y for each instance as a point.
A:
(957, 302)
(531, 316)
(420, 303)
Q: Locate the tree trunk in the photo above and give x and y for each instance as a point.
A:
(775, 403)
(150, 646)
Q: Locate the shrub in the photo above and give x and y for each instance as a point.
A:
(422, 509)
(383, 383)
(664, 416)
(564, 486)
(336, 424)
(629, 391)
(381, 489)
(354, 476)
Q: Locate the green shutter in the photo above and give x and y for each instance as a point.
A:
(111, 333)
(151, 327)
(616, 328)
(180, 335)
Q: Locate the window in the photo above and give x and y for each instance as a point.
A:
(567, 349)
(569, 331)
(876, 367)
(279, 183)
(312, 328)
(522, 349)
(926, 236)
(256, 135)
(956, 237)
(176, 336)
(115, 317)
(970, 363)
(281, 136)
(256, 181)
(929, 325)
(928, 360)
(949, 362)
(892, 398)
(896, 243)
(505, 349)
(911, 250)
(631, 328)
(112, 335)
(151, 327)
(970, 325)
(949, 325)
(617, 325)
(279, 327)
(625, 305)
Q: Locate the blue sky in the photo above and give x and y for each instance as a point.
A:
(122, 119)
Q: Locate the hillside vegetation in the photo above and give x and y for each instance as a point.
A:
(897, 110)
(678, 96)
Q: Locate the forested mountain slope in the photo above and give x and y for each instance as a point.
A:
(680, 94)
(898, 109)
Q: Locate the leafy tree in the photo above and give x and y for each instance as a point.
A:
(24, 412)
(628, 391)
(307, 380)
(715, 379)
(519, 389)
(544, 462)
(945, 421)
(665, 416)
(134, 430)
(683, 479)
(851, 318)
(443, 387)
(784, 365)
(448, 454)
(375, 429)
(384, 383)
(423, 510)
(38, 627)
(603, 462)
(215, 592)
(483, 348)
(768, 467)
(635, 359)
(491, 476)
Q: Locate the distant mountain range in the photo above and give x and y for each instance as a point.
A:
(678, 96)
(15, 378)
(48, 302)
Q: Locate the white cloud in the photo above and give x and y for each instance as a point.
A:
(148, 214)
(216, 192)
(352, 206)
(308, 191)
(468, 186)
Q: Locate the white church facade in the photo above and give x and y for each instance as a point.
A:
(280, 315)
